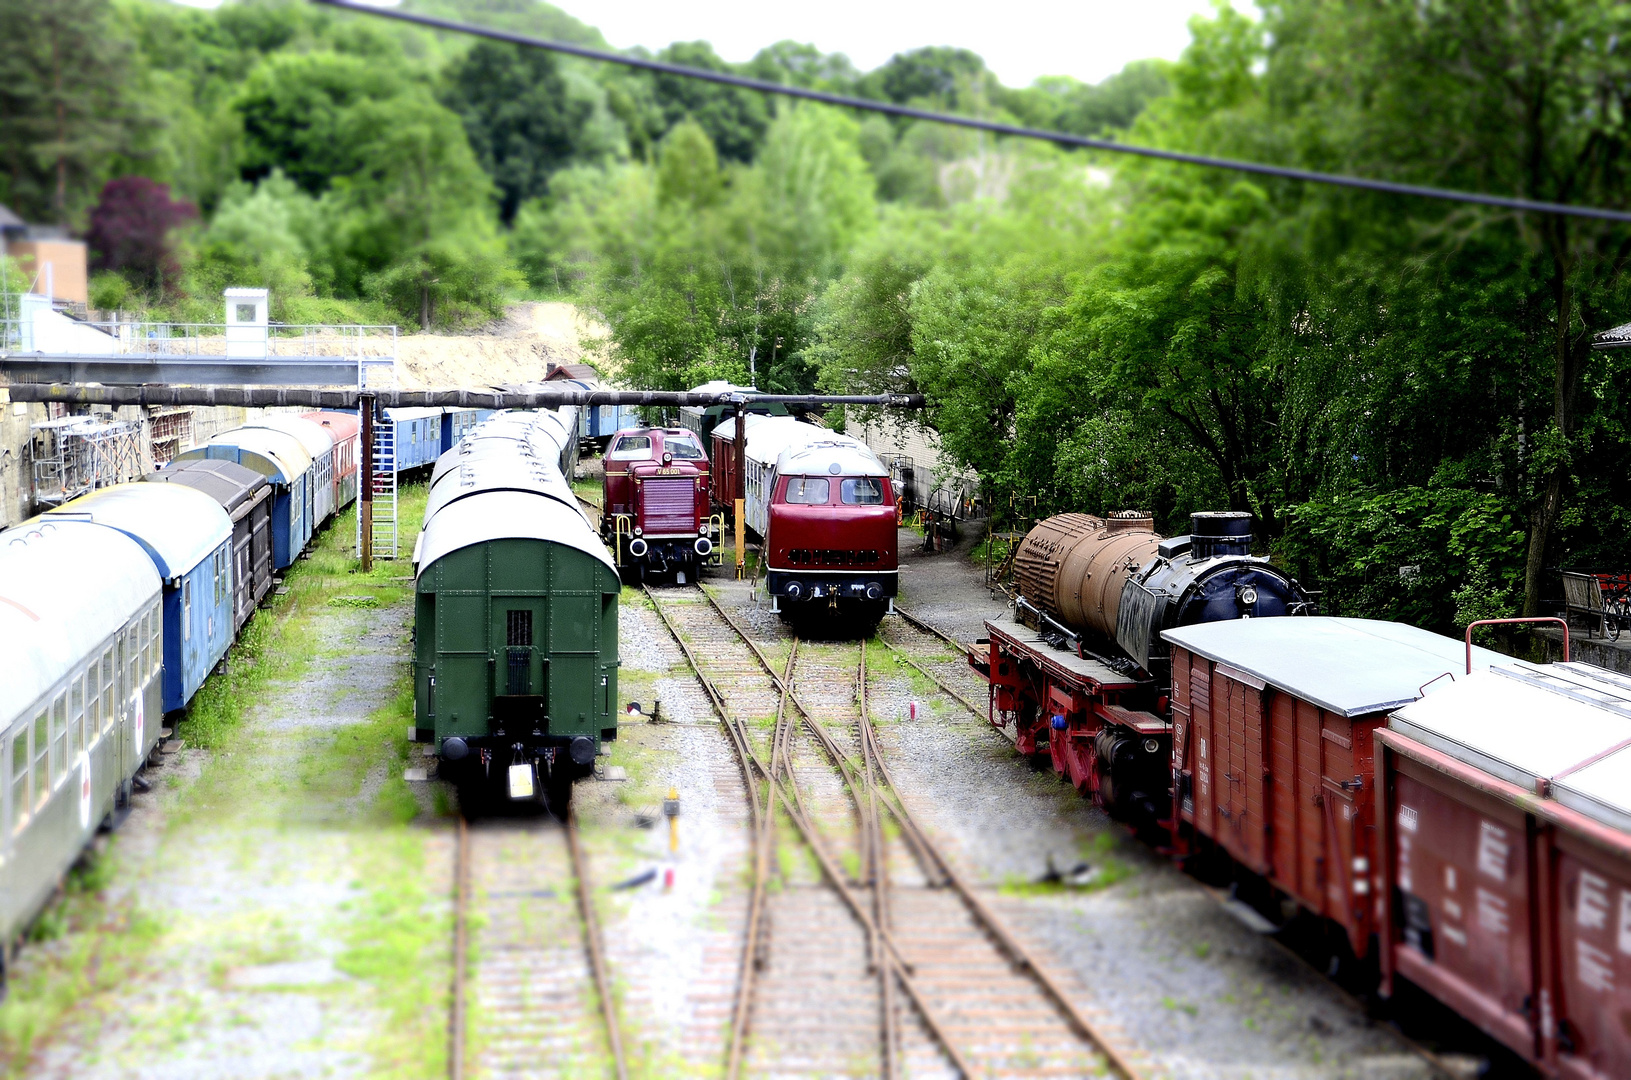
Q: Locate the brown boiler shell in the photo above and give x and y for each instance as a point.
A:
(1073, 567)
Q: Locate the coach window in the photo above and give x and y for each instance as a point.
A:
(76, 716)
(93, 702)
(631, 448)
(109, 697)
(861, 491)
(808, 490)
(59, 739)
(20, 805)
(187, 610)
(42, 758)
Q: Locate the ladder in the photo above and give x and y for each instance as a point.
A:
(376, 375)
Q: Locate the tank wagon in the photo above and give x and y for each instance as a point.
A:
(247, 499)
(1082, 674)
(80, 703)
(825, 508)
(515, 619)
(657, 515)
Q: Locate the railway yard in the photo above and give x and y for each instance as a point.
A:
(862, 879)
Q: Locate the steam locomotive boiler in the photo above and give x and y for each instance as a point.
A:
(1082, 672)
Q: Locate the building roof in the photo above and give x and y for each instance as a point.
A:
(1352, 667)
(1617, 338)
(52, 612)
(9, 219)
(574, 371)
(1523, 722)
(178, 526)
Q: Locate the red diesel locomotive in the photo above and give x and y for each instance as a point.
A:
(823, 504)
(657, 515)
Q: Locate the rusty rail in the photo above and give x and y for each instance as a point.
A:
(461, 949)
(595, 946)
(929, 628)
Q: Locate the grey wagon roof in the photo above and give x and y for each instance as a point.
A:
(1352, 667)
(227, 482)
(502, 515)
(179, 526)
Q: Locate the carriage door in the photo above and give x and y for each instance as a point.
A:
(574, 689)
(520, 666)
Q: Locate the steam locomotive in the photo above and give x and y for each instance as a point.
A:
(1082, 672)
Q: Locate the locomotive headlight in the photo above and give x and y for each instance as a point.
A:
(1151, 745)
(638, 531)
(1248, 596)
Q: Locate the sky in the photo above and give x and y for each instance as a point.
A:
(1019, 39)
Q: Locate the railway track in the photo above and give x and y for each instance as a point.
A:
(516, 883)
(913, 971)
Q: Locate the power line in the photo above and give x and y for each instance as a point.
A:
(1060, 138)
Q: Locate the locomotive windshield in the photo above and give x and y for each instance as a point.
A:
(861, 491)
(684, 448)
(808, 490)
(631, 448)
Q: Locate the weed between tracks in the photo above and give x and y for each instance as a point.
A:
(289, 802)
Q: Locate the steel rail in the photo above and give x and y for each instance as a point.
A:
(929, 628)
(1017, 952)
(595, 946)
(461, 949)
(1060, 138)
(274, 396)
(880, 871)
(945, 687)
(793, 807)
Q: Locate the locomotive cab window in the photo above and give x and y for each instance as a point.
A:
(631, 448)
(684, 449)
(861, 491)
(808, 490)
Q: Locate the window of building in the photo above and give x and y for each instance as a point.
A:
(861, 491)
(808, 490)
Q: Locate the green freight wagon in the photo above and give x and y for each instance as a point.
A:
(515, 628)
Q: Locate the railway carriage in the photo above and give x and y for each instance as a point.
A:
(318, 442)
(80, 704)
(284, 462)
(657, 515)
(188, 536)
(247, 498)
(345, 428)
(702, 421)
(410, 438)
(515, 618)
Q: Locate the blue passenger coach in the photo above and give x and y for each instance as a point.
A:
(79, 703)
(318, 442)
(189, 538)
(282, 460)
(415, 438)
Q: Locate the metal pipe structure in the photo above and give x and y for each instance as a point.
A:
(282, 397)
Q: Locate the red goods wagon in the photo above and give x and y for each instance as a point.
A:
(1271, 746)
(657, 508)
(345, 429)
(1506, 860)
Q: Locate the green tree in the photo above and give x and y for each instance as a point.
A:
(300, 115)
(64, 106)
(735, 120)
(522, 122)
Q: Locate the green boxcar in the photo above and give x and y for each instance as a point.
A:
(515, 627)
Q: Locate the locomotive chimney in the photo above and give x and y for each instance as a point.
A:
(1227, 532)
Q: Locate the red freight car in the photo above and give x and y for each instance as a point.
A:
(656, 502)
(1505, 818)
(1271, 758)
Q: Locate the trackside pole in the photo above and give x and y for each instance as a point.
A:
(365, 489)
(741, 489)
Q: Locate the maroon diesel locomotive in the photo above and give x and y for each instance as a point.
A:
(657, 517)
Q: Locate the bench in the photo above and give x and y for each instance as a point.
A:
(1583, 594)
